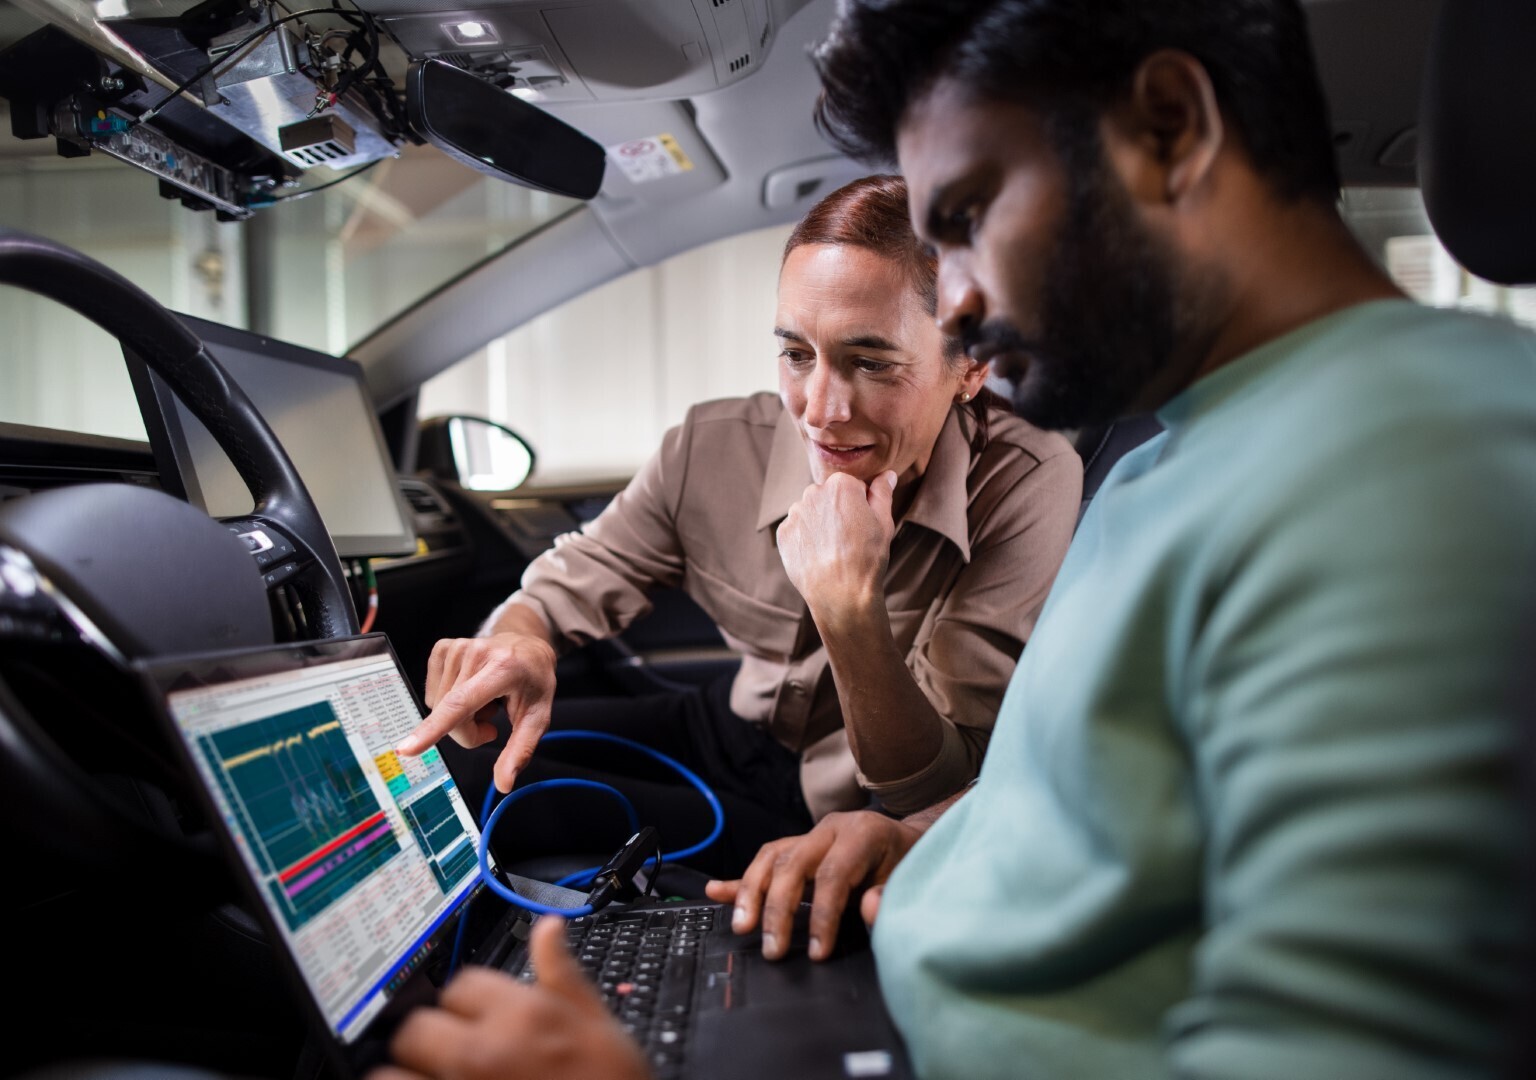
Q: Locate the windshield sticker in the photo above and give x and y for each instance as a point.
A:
(655, 158)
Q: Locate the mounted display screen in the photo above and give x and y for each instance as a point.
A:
(319, 408)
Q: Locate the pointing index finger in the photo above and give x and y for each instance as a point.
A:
(437, 723)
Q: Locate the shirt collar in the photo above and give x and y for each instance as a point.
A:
(942, 496)
(789, 472)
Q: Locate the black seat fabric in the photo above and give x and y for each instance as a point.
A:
(1100, 447)
(1477, 137)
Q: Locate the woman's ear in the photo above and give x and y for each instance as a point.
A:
(972, 377)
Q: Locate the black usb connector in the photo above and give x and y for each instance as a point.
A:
(616, 880)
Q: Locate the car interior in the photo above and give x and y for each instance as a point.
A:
(629, 134)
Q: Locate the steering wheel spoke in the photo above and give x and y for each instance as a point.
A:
(277, 556)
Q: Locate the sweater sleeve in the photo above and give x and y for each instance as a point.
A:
(1353, 747)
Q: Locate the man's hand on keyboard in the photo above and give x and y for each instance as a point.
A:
(844, 852)
(488, 1026)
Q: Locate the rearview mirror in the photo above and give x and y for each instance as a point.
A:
(498, 134)
(475, 453)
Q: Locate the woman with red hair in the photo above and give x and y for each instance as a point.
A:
(875, 541)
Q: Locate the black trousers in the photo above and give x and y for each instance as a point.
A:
(756, 779)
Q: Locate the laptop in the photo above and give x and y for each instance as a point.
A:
(361, 865)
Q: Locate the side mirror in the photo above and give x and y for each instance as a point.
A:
(492, 131)
(475, 453)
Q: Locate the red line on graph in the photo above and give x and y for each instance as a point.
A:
(320, 853)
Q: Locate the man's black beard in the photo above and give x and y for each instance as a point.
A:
(1109, 310)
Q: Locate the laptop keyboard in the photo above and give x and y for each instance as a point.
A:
(644, 965)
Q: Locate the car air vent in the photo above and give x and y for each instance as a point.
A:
(424, 502)
(439, 530)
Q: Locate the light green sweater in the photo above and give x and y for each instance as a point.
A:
(1248, 809)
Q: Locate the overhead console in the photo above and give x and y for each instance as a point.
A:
(601, 50)
(232, 102)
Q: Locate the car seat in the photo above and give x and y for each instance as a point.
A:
(1477, 137)
(1477, 169)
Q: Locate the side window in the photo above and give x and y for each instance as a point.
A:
(1393, 226)
(594, 384)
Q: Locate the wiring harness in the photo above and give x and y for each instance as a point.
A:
(357, 66)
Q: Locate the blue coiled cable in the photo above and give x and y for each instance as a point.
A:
(488, 824)
(488, 819)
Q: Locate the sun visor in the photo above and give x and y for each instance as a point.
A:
(496, 133)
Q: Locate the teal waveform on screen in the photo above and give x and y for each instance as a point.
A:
(304, 805)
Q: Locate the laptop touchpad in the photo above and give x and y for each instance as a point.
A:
(809, 1039)
(798, 978)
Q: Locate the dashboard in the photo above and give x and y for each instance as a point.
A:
(469, 553)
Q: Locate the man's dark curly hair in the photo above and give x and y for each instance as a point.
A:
(1069, 59)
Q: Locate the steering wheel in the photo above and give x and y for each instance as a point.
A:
(133, 571)
(284, 510)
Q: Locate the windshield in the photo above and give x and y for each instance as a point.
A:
(321, 271)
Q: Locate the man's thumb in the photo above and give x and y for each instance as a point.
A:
(557, 969)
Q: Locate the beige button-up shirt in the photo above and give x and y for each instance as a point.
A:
(970, 565)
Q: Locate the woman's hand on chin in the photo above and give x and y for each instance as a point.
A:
(835, 544)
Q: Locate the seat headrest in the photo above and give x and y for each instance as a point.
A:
(1477, 137)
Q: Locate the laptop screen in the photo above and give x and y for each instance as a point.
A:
(359, 854)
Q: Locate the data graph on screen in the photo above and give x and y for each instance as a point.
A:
(312, 821)
(359, 855)
(441, 836)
